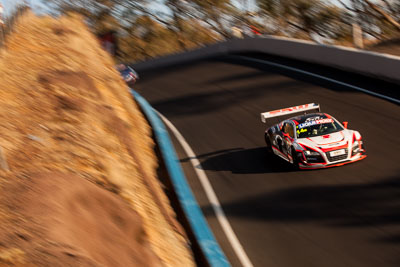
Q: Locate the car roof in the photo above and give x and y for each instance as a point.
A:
(302, 118)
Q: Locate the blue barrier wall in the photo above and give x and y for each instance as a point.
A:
(206, 240)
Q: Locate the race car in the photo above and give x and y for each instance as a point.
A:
(128, 74)
(312, 140)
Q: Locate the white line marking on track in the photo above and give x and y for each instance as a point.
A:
(212, 197)
(321, 77)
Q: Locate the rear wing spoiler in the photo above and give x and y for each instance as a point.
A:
(291, 110)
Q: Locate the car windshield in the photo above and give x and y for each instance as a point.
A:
(125, 72)
(317, 127)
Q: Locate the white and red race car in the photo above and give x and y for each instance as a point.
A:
(312, 140)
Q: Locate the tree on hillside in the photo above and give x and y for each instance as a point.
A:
(213, 12)
(185, 24)
(305, 18)
(143, 31)
(179, 16)
(380, 19)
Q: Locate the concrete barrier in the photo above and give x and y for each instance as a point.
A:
(372, 64)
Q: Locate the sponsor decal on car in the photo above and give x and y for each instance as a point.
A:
(289, 109)
(301, 130)
(314, 122)
(337, 152)
(313, 119)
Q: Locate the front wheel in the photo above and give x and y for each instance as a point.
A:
(294, 158)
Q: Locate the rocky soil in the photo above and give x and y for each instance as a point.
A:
(78, 174)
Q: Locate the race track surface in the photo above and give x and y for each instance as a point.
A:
(344, 216)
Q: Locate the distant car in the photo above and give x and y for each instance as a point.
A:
(313, 140)
(128, 74)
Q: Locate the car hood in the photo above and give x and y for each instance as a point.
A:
(327, 141)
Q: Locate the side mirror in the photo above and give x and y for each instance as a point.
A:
(345, 123)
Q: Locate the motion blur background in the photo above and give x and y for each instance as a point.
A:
(50, 122)
(147, 29)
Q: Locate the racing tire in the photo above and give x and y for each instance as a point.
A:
(295, 159)
(268, 142)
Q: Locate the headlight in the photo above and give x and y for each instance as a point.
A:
(356, 144)
(356, 147)
(313, 157)
(311, 153)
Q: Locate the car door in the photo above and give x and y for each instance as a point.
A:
(288, 137)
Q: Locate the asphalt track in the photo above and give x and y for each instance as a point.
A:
(344, 216)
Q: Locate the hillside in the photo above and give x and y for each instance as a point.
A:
(391, 47)
(77, 166)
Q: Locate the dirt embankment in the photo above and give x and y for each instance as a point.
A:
(391, 47)
(77, 167)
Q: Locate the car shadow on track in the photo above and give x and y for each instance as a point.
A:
(243, 161)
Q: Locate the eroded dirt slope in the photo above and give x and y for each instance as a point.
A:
(391, 47)
(77, 167)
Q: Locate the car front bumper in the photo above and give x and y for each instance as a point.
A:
(328, 164)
